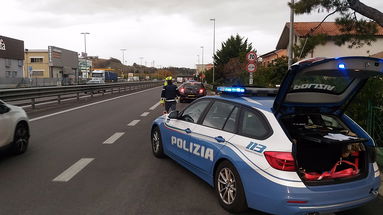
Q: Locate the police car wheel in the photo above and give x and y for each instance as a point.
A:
(229, 189)
(157, 148)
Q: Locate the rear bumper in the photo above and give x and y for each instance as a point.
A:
(273, 198)
(187, 97)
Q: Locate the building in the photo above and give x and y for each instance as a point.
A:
(36, 63)
(270, 56)
(11, 57)
(201, 68)
(328, 49)
(53, 62)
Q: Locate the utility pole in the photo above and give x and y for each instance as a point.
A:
(213, 47)
(123, 62)
(291, 34)
(203, 66)
(86, 55)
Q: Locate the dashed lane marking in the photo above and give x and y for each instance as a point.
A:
(134, 122)
(154, 106)
(113, 138)
(73, 170)
(145, 114)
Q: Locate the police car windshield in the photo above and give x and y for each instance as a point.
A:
(322, 83)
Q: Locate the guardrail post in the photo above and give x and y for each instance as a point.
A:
(78, 96)
(111, 90)
(59, 99)
(91, 94)
(33, 104)
(119, 89)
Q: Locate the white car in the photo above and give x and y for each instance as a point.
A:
(14, 128)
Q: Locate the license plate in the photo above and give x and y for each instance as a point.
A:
(191, 95)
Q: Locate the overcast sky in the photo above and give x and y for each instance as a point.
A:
(169, 32)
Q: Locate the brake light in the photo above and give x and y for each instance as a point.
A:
(281, 160)
(182, 90)
(201, 90)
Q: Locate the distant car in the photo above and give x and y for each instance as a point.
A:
(96, 81)
(289, 151)
(14, 128)
(191, 91)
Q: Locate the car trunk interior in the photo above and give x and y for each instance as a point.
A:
(325, 149)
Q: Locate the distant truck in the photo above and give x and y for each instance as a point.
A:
(106, 76)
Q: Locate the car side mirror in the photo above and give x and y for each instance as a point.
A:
(174, 114)
(4, 109)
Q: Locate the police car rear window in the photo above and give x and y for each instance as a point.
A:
(320, 83)
(253, 125)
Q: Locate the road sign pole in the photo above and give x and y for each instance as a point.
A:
(250, 78)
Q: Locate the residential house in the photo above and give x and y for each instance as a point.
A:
(328, 49)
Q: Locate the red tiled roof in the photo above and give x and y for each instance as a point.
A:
(329, 28)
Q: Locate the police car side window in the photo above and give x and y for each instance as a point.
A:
(231, 122)
(253, 125)
(194, 111)
(218, 114)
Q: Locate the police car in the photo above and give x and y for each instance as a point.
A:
(286, 151)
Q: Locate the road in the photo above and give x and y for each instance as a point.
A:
(95, 157)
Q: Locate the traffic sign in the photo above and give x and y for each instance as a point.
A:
(251, 57)
(251, 67)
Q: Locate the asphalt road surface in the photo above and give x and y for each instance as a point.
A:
(95, 157)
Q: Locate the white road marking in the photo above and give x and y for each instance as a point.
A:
(145, 114)
(154, 106)
(113, 138)
(87, 105)
(134, 122)
(73, 170)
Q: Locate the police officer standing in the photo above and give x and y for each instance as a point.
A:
(169, 94)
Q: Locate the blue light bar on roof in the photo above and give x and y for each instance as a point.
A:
(231, 89)
(341, 66)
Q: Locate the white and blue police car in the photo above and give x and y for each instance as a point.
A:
(286, 151)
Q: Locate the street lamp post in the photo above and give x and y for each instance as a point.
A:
(213, 46)
(203, 66)
(86, 55)
(123, 62)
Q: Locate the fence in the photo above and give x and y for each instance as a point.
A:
(375, 128)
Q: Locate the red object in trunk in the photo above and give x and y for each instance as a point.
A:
(281, 160)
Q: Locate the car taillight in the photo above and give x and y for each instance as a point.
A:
(281, 160)
(182, 90)
(201, 90)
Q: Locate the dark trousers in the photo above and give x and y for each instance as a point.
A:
(170, 106)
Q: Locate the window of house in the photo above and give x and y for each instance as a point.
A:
(8, 74)
(37, 73)
(14, 74)
(36, 59)
(21, 63)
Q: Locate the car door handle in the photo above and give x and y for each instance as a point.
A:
(220, 139)
(187, 130)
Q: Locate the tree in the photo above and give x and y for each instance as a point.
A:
(357, 31)
(230, 60)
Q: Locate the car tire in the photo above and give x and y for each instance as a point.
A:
(229, 188)
(157, 146)
(20, 139)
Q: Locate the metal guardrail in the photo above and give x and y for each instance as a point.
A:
(31, 94)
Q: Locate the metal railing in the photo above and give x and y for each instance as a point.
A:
(30, 96)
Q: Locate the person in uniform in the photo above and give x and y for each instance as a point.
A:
(168, 95)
